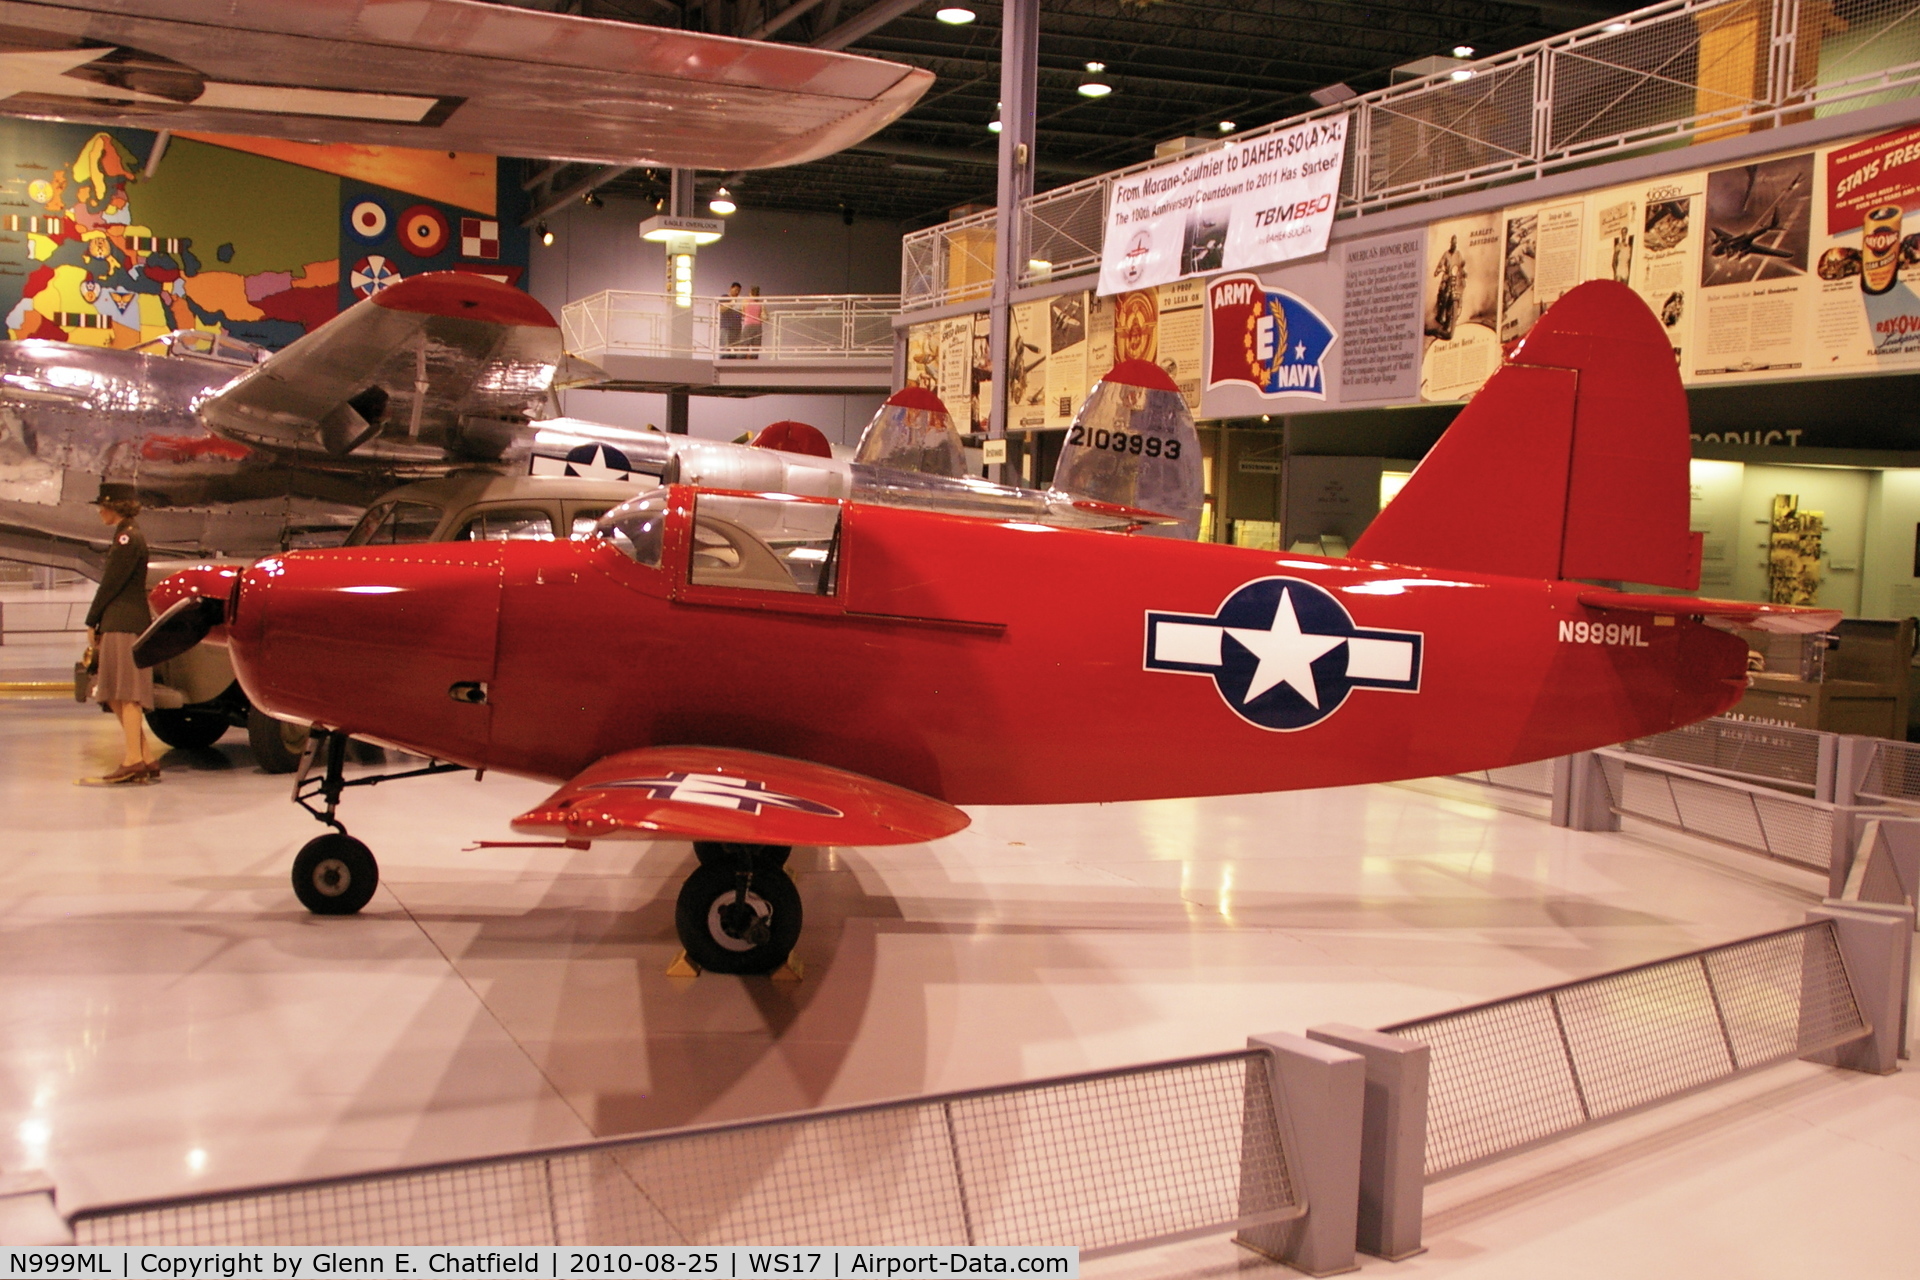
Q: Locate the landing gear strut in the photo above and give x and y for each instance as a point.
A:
(335, 874)
(738, 912)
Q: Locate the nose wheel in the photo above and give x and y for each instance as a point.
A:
(739, 911)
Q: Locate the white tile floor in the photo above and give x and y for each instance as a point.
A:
(170, 1019)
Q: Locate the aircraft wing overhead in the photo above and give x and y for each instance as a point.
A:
(442, 366)
(720, 793)
(445, 75)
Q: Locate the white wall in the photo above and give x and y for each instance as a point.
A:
(783, 253)
(1888, 586)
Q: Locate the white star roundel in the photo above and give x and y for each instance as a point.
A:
(1283, 653)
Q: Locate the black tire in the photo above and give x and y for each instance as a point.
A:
(335, 875)
(707, 900)
(276, 744)
(714, 854)
(187, 730)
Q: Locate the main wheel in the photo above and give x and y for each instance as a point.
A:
(712, 853)
(276, 744)
(188, 730)
(726, 935)
(335, 875)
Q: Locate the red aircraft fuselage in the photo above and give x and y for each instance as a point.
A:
(978, 662)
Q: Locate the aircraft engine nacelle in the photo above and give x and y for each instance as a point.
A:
(381, 642)
(713, 465)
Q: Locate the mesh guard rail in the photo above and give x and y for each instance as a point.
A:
(1524, 1070)
(1108, 1161)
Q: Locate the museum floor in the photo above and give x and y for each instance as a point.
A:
(174, 1021)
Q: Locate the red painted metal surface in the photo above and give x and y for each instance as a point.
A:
(460, 295)
(711, 793)
(1580, 441)
(976, 661)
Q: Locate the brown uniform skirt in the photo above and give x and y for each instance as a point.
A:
(118, 680)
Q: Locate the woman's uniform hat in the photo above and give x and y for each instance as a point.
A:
(115, 493)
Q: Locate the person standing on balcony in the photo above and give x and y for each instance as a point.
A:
(730, 321)
(753, 316)
(118, 615)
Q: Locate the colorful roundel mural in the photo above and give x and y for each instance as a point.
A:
(372, 274)
(423, 230)
(367, 220)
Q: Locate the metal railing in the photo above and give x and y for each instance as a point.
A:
(1892, 774)
(1535, 779)
(1780, 756)
(1664, 76)
(799, 327)
(1795, 829)
(1108, 1161)
(1516, 1072)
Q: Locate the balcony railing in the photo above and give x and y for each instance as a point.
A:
(1665, 76)
(801, 328)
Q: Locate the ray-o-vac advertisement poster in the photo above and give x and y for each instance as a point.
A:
(1868, 313)
(1244, 204)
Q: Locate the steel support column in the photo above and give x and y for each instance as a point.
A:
(1019, 64)
(680, 323)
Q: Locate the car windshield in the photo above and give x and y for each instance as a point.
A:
(637, 526)
(395, 523)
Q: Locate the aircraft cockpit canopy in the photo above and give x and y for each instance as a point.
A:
(913, 432)
(764, 542)
(204, 344)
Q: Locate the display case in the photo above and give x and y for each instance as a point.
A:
(1855, 680)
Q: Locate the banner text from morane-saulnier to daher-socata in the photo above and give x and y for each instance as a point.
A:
(404, 1262)
(1246, 204)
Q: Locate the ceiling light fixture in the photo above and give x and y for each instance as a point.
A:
(993, 126)
(1614, 28)
(1465, 73)
(722, 203)
(955, 16)
(1463, 51)
(1095, 84)
(1228, 126)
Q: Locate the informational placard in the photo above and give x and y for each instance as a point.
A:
(1380, 321)
(1029, 343)
(1246, 204)
(1066, 357)
(1183, 337)
(948, 358)
(1544, 252)
(1462, 306)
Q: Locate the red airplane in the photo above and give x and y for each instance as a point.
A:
(754, 671)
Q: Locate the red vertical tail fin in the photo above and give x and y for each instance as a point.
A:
(1571, 462)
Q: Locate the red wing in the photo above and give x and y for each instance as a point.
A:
(1787, 618)
(717, 793)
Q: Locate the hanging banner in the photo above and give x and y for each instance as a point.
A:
(1247, 204)
(1267, 339)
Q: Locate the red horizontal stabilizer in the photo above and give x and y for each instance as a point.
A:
(461, 295)
(1581, 443)
(745, 797)
(1788, 619)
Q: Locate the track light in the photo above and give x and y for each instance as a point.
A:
(546, 236)
(1095, 84)
(722, 203)
(954, 16)
(591, 200)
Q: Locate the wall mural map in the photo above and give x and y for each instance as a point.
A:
(260, 239)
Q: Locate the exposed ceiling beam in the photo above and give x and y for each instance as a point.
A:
(799, 8)
(971, 156)
(561, 199)
(866, 22)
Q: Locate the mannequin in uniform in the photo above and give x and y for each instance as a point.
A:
(117, 617)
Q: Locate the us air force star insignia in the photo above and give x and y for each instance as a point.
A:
(1283, 652)
(719, 791)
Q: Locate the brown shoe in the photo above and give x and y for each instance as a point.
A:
(125, 775)
(153, 770)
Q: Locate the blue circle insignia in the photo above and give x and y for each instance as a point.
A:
(1283, 652)
(1256, 621)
